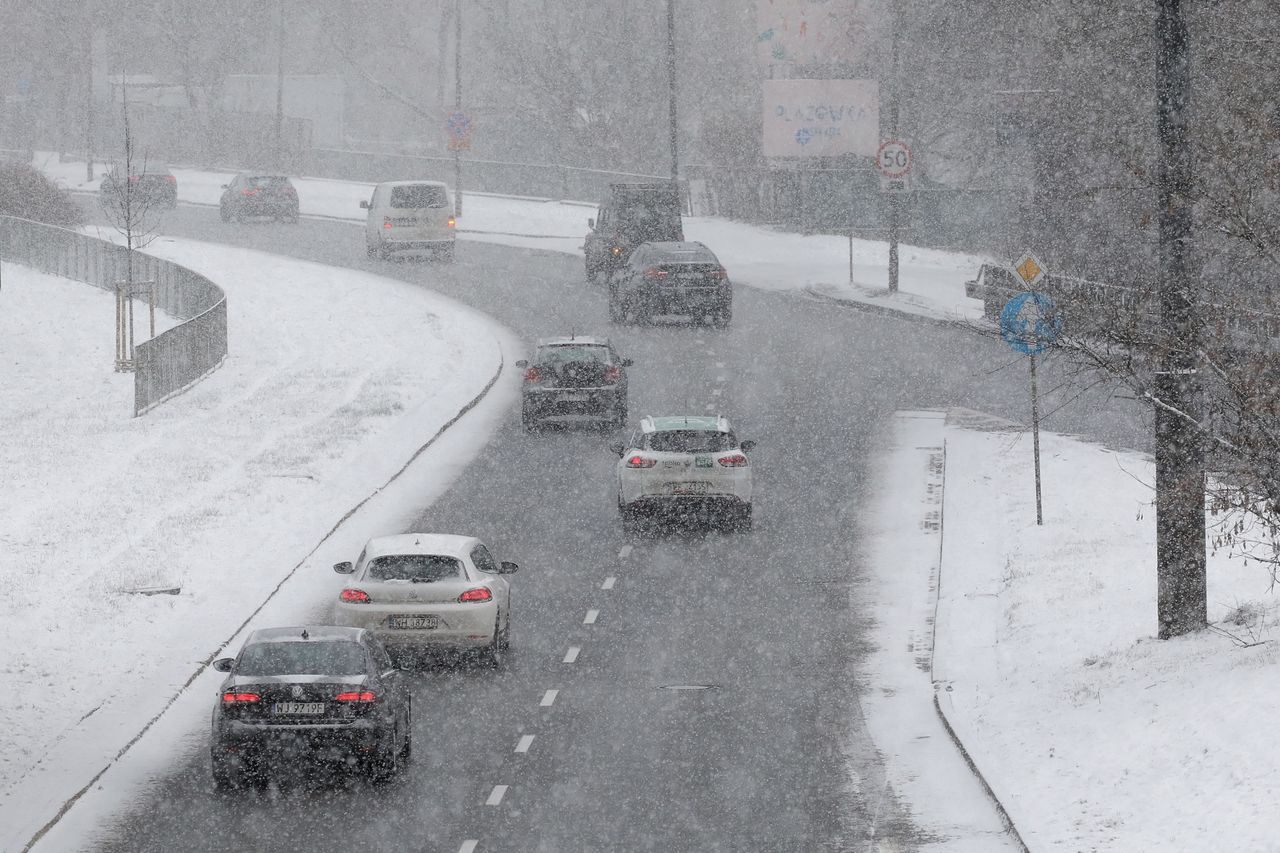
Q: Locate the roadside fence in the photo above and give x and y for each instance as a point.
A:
(173, 360)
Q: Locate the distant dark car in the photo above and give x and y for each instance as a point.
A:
(630, 214)
(150, 184)
(573, 379)
(317, 693)
(252, 195)
(671, 278)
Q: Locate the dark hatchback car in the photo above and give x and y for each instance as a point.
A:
(309, 694)
(668, 279)
(150, 184)
(250, 195)
(574, 379)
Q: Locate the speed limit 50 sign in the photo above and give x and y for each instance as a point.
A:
(893, 160)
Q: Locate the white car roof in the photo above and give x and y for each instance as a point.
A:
(582, 340)
(442, 544)
(718, 423)
(413, 184)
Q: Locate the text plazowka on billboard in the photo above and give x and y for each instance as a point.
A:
(821, 118)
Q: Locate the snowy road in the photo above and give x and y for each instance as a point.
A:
(775, 756)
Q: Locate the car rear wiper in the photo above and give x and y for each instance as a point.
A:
(422, 580)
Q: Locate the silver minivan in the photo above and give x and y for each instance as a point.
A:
(410, 216)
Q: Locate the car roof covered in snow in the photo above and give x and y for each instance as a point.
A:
(304, 633)
(715, 423)
(440, 544)
(574, 340)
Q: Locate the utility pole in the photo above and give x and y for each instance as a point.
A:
(89, 105)
(894, 202)
(1180, 525)
(279, 152)
(671, 91)
(457, 105)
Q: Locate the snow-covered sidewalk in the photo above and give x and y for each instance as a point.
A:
(1094, 735)
(931, 281)
(334, 380)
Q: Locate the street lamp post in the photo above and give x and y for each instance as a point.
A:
(279, 152)
(457, 105)
(671, 87)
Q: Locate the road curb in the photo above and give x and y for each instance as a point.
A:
(439, 433)
(1010, 827)
(884, 310)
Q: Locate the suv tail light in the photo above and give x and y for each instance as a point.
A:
(233, 698)
(533, 374)
(733, 460)
(248, 192)
(170, 179)
(452, 222)
(478, 594)
(612, 373)
(653, 273)
(719, 274)
(355, 596)
(133, 179)
(638, 461)
(356, 696)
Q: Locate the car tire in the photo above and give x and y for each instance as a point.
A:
(406, 750)
(529, 419)
(617, 308)
(742, 521)
(593, 277)
(385, 763)
(224, 213)
(630, 519)
(491, 655)
(370, 250)
(620, 414)
(224, 778)
(445, 255)
(722, 317)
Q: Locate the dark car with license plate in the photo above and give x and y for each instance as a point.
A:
(683, 278)
(295, 697)
(256, 196)
(574, 379)
(145, 185)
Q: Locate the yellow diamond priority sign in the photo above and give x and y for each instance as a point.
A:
(1029, 269)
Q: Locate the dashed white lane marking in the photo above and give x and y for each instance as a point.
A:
(608, 583)
(469, 846)
(722, 379)
(525, 743)
(699, 341)
(572, 655)
(495, 796)
(720, 365)
(716, 392)
(711, 352)
(591, 617)
(711, 407)
(549, 698)
(624, 552)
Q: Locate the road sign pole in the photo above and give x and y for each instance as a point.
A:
(457, 104)
(893, 243)
(1035, 437)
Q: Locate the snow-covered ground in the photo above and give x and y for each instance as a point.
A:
(329, 388)
(1093, 734)
(931, 282)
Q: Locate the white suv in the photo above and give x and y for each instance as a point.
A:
(410, 216)
(690, 467)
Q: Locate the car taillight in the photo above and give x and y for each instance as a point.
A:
(480, 593)
(718, 273)
(133, 179)
(233, 698)
(733, 460)
(652, 273)
(248, 192)
(356, 696)
(612, 373)
(355, 596)
(533, 374)
(639, 461)
(170, 179)
(452, 222)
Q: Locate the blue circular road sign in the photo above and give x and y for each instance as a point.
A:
(1030, 323)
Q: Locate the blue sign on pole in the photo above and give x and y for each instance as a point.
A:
(1030, 323)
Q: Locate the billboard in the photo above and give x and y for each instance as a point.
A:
(814, 32)
(821, 118)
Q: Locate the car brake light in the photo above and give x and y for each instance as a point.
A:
(612, 373)
(480, 593)
(533, 374)
(654, 273)
(171, 179)
(248, 192)
(355, 596)
(356, 696)
(639, 461)
(133, 179)
(232, 698)
(718, 273)
(733, 460)
(387, 224)
(452, 222)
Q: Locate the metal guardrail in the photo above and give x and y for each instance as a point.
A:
(168, 363)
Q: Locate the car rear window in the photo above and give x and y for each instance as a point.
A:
(419, 568)
(685, 256)
(268, 181)
(419, 196)
(338, 657)
(572, 354)
(690, 441)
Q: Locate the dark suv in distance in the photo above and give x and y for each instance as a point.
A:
(572, 379)
(671, 278)
(150, 184)
(631, 214)
(259, 195)
(317, 693)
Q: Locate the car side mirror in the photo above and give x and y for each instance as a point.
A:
(224, 664)
(226, 186)
(524, 362)
(626, 362)
(747, 446)
(591, 223)
(617, 448)
(346, 567)
(364, 205)
(507, 568)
